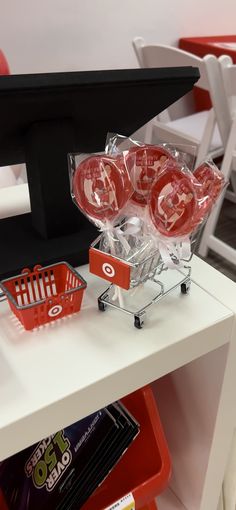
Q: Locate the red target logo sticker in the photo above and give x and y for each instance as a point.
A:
(55, 311)
(109, 268)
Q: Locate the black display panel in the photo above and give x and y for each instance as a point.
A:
(46, 116)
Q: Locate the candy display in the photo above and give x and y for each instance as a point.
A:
(165, 192)
(149, 205)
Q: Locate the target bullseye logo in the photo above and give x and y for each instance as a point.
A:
(55, 310)
(108, 270)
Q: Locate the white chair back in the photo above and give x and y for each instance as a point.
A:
(186, 130)
(159, 55)
(226, 115)
(218, 76)
(221, 92)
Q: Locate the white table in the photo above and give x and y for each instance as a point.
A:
(54, 376)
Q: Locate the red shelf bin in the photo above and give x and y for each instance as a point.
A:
(150, 506)
(145, 468)
(3, 505)
(202, 46)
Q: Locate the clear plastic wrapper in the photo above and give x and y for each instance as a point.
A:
(181, 200)
(174, 200)
(184, 153)
(152, 223)
(212, 184)
(100, 187)
(144, 198)
(130, 243)
(145, 164)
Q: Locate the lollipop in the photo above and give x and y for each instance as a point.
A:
(173, 201)
(212, 180)
(211, 183)
(144, 164)
(101, 187)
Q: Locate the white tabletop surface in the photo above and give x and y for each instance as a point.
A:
(51, 377)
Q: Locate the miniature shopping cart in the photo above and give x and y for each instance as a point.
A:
(44, 294)
(144, 283)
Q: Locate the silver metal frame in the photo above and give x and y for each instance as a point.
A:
(155, 270)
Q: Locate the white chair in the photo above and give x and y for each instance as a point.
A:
(199, 129)
(12, 175)
(226, 116)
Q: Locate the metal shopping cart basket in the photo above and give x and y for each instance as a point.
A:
(134, 287)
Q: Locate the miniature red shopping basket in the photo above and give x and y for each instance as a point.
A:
(44, 294)
(145, 467)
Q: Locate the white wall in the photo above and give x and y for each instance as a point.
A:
(57, 35)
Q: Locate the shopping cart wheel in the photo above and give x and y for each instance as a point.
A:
(185, 287)
(101, 306)
(138, 322)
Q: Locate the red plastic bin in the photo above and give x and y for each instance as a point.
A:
(145, 467)
(150, 506)
(44, 294)
(3, 505)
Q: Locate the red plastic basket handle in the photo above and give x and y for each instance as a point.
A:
(26, 270)
(54, 300)
(37, 267)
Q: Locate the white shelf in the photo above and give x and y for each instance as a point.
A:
(52, 377)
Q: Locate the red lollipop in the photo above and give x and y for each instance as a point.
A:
(144, 164)
(101, 187)
(211, 182)
(173, 202)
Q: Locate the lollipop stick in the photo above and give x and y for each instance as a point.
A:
(117, 290)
